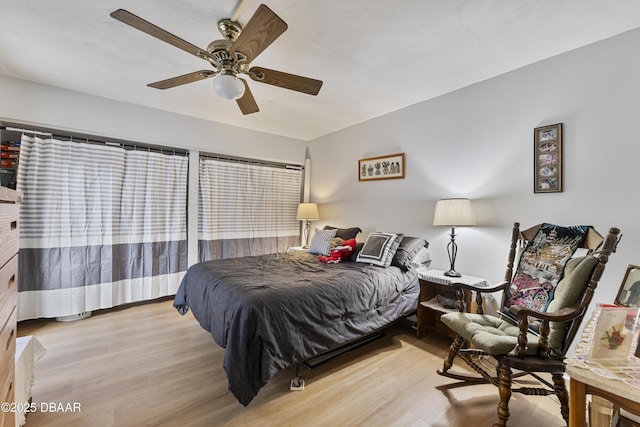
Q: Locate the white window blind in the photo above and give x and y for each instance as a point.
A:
(248, 201)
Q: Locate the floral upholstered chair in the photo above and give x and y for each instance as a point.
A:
(544, 301)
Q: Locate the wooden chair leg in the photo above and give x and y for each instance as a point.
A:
(504, 390)
(560, 386)
(456, 345)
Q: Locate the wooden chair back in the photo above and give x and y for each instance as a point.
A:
(592, 242)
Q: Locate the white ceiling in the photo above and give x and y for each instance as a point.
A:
(374, 56)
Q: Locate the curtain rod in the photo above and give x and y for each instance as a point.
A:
(127, 145)
(233, 159)
(36, 132)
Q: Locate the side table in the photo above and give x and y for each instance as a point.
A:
(432, 284)
(583, 381)
(613, 381)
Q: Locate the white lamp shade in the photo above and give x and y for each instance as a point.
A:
(454, 212)
(228, 86)
(307, 211)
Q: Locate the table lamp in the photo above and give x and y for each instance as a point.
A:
(452, 213)
(307, 212)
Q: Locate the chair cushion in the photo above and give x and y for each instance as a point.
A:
(541, 266)
(489, 333)
(569, 290)
(499, 336)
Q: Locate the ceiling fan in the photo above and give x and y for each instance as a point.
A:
(230, 57)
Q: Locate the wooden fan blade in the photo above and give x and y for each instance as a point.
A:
(286, 80)
(261, 30)
(247, 103)
(184, 79)
(157, 32)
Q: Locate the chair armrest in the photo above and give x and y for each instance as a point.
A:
(523, 313)
(460, 288)
(562, 315)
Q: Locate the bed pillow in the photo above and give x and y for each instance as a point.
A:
(407, 250)
(421, 259)
(354, 255)
(320, 242)
(379, 248)
(344, 233)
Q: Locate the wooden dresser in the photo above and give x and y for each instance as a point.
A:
(9, 240)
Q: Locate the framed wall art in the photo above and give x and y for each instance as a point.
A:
(629, 292)
(547, 165)
(382, 167)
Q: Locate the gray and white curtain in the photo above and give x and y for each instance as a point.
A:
(246, 208)
(101, 226)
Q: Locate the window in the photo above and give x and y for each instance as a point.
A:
(247, 207)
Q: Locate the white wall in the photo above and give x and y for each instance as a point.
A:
(478, 143)
(23, 101)
(32, 103)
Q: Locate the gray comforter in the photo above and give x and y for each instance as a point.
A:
(272, 311)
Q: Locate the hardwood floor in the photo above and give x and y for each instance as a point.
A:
(145, 365)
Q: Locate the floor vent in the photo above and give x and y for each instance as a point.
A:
(74, 317)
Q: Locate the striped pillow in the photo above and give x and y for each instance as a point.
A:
(320, 243)
(379, 248)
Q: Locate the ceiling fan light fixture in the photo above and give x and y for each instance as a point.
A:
(230, 56)
(228, 86)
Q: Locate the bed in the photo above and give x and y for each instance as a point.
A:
(273, 311)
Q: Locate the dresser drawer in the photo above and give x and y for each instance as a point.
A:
(8, 289)
(8, 343)
(7, 418)
(9, 234)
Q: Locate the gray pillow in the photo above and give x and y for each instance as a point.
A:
(421, 259)
(354, 255)
(407, 250)
(320, 243)
(345, 233)
(379, 248)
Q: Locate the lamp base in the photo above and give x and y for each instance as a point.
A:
(452, 273)
(452, 250)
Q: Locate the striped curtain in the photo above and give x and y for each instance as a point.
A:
(101, 226)
(246, 208)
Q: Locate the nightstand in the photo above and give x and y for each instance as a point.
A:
(432, 284)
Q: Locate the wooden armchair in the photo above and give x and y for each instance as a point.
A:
(542, 307)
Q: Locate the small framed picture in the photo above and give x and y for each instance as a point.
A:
(547, 165)
(382, 167)
(614, 333)
(629, 292)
